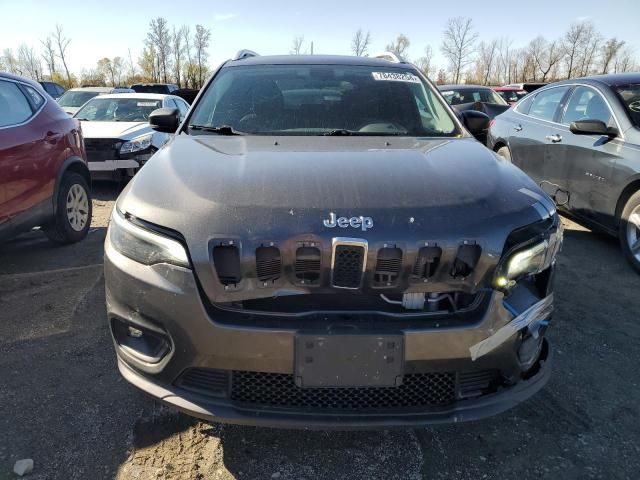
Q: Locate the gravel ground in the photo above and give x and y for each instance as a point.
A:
(63, 403)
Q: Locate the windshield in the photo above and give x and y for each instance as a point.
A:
(321, 100)
(470, 95)
(75, 98)
(630, 95)
(512, 96)
(118, 109)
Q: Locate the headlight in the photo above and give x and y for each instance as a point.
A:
(529, 260)
(139, 143)
(143, 245)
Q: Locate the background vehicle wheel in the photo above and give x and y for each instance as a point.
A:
(505, 153)
(73, 213)
(630, 230)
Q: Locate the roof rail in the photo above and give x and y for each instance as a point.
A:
(245, 54)
(390, 57)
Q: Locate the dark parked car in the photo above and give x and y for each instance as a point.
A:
(323, 244)
(474, 97)
(511, 95)
(55, 90)
(164, 88)
(580, 141)
(44, 179)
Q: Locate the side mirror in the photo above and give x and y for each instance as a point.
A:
(592, 127)
(166, 120)
(476, 122)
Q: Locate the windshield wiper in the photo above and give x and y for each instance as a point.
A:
(221, 130)
(83, 119)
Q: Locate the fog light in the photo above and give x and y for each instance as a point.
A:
(146, 345)
(529, 351)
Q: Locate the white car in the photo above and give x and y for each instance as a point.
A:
(74, 98)
(117, 135)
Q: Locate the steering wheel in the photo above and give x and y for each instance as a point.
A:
(635, 106)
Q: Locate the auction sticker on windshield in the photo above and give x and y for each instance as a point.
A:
(395, 77)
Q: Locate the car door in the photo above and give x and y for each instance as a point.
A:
(589, 160)
(535, 135)
(24, 144)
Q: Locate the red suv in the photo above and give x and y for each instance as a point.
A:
(44, 179)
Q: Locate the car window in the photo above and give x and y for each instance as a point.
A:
(630, 96)
(14, 105)
(587, 104)
(118, 109)
(76, 98)
(36, 98)
(546, 103)
(182, 106)
(320, 99)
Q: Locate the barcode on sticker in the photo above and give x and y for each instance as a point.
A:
(395, 77)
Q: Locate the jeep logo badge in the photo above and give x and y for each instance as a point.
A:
(365, 223)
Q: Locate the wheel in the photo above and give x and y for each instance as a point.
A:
(630, 230)
(73, 212)
(505, 153)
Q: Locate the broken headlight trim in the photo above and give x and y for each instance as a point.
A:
(144, 246)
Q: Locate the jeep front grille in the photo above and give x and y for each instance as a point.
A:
(427, 262)
(226, 259)
(268, 264)
(388, 267)
(307, 266)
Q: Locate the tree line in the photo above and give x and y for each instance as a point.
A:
(578, 52)
(170, 55)
(180, 55)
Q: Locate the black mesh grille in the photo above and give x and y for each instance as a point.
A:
(268, 264)
(206, 382)
(280, 390)
(101, 149)
(388, 266)
(474, 384)
(347, 266)
(466, 260)
(307, 267)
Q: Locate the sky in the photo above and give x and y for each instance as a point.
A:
(110, 28)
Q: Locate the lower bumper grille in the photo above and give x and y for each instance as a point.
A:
(280, 390)
(102, 149)
(262, 389)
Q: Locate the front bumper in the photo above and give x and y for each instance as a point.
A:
(166, 300)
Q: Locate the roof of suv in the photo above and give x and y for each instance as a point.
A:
(612, 79)
(315, 60)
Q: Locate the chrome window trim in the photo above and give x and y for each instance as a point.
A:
(571, 85)
(34, 114)
(357, 242)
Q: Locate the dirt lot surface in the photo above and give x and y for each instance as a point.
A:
(63, 403)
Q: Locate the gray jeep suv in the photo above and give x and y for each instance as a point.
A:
(323, 244)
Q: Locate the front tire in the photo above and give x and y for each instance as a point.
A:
(73, 211)
(630, 230)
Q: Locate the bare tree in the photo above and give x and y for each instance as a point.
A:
(425, 63)
(458, 45)
(400, 46)
(609, 51)
(296, 46)
(10, 61)
(49, 55)
(545, 55)
(160, 38)
(360, 43)
(442, 77)
(111, 69)
(62, 43)
(573, 41)
(29, 62)
(487, 53)
(624, 61)
(505, 54)
(201, 44)
(178, 53)
(131, 67)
